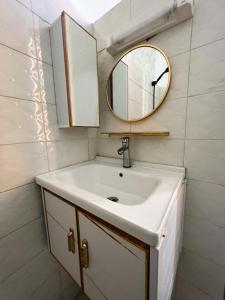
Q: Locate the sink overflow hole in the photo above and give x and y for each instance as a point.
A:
(121, 174)
(113, 198)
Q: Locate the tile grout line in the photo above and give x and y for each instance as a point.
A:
(40, 286)
(44, 141)
(20, 186)
(21, 227)
(188, 83)
(28, 100)
(209, 43)
(24, 54)
(207, 182)
(32, 11)
(204, 219)
(194, 286)
(192, 252)
(26, 263)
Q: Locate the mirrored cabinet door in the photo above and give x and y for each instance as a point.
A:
(74, 52)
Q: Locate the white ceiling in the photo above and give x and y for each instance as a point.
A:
(92, 10)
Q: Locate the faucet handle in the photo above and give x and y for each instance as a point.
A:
(125, 151)
(125, 139)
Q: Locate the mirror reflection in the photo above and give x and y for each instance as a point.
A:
(138, 83)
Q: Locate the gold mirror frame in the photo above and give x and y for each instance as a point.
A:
(163, 96)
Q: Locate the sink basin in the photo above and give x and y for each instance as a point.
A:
(130, 187)
(136, 200)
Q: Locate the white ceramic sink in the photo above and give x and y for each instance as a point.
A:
(145, 193)
(129, 186)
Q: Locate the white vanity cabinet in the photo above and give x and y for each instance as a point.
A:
(74, 55)
(109, 263)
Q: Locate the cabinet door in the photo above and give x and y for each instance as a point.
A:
(117, 269)
(62, 232)
(81, 60)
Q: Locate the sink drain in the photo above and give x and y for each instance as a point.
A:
(113, 198)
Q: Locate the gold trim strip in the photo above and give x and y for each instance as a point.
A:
(128, 133)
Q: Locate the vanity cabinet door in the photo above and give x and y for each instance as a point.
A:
(62, 233)
(113, 267)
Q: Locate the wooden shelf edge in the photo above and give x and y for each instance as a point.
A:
(138, 133)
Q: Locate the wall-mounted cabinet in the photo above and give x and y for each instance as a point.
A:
(74, 54)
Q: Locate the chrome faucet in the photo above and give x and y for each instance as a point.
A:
(124, 150)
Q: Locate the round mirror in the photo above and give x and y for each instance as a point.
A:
(138, 83)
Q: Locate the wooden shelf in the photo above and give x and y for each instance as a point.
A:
(138, 133)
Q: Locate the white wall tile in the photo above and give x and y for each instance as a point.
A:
(186, 291)
(179, 80)
(46, 78)
(108, 147)
(50, 10)
(27, 3)
(205, 275)
(175, 40)
(20, 246)
(205, 160)
(16, 28)
(208, 22)
(139, 8)
(205, 201)
(47, 10)
(66, 153)
(22, 284)
(19, 163)
(15, 115)
(207, 69)
(108, 122)
(206, 117)
(50, 289)
(92, 147)
(158, 150)
(18, 75)
(53, 132)
(103, 105)
(20, 206)
(106, 63)
(205, 239)
(92, 132)
(42, 39)
(169, 117)
(114, 20)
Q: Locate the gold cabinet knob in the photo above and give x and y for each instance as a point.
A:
(84, 254)
(71, 240)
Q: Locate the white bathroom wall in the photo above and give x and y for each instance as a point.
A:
(194, 113)
(31, 144)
